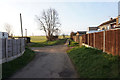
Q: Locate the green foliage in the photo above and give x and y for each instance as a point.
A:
(93, 63)
(0, 71)
(11, 67)
(48, 43)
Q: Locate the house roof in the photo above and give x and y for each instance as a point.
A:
(81, 32)
(108, 22)
(92, 28)
(93, 31)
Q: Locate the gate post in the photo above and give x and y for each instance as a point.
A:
(94, 40)
(103, 41)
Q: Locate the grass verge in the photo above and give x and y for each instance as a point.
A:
(11, 67)
(73, 43)
(47, 43)
(93, 63)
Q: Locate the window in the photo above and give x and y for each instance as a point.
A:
(108, 27)
(103, 28)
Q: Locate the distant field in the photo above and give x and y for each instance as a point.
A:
(61, 37)
(42, 38)
(38, 38)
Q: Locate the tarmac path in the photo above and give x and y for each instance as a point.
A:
(49, 62)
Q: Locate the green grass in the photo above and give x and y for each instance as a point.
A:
(61, 37)
(73, 43)
(11, 67)
(93, 63)
(47, 43)
(42, 38)
(38, 38)
(0, 71)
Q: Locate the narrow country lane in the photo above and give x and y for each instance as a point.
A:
(50, 62)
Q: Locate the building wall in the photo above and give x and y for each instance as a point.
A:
(118, 22)
(3, 35)
(92, 28)
(105, 27)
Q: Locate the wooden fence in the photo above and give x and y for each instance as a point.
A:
(108, 41)
(11, 49)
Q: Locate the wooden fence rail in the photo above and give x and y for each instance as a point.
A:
(11, 49)
(108, 41)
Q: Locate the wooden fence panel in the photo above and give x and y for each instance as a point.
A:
(108, 45)
(108, 41)
(74, 38)
(98, 40)
(80, 41)
(83, 38)
(101, 40)
(118, 42)
(113, 41)
(77, 38)
(91, 39)
(86, 39)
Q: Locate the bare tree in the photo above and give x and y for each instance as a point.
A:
(49, 22)
(8, 29)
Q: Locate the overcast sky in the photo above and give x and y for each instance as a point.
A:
(74, 15)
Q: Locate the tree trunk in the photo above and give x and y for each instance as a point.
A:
(49, 38)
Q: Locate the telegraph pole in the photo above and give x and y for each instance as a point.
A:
(26, 32)
(21, 25)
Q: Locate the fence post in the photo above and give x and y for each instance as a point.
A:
(94, 39)
(80, 40)
(88, 39)
(12, 47)
(6, 50)
(1, 43)
(20, 47)
(103, 41)
(77, 36)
